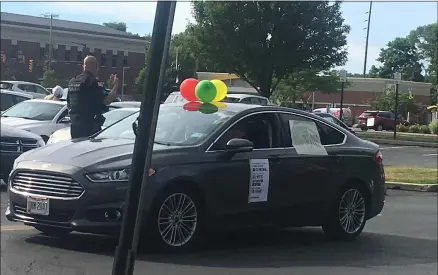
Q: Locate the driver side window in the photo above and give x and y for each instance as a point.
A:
(260, 129)
(64, 114)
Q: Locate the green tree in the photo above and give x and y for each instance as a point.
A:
(425, 38)
(296, 86)
(400, 55)
(49, 79)
(385, 101)
(121, 26)
(262, 42)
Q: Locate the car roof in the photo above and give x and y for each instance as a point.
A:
(47, 101)
(244, 96)
(16, 93)
(126, 103)
(18, 82)
(323, 114)
(130, 109)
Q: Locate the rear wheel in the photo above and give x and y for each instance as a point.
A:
(347, 218)
(53, 231)
(379, 128)
(176, 220)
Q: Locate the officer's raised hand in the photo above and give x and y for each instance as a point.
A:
(113, 94)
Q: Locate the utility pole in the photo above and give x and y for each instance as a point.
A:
(343, 79)
(397, 80)
(123, 80)
(140, 192)
(366, 41)
(51, 16)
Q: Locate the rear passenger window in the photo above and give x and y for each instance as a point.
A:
(255, 100)
(329, 135)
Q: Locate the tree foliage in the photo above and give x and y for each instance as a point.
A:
(49, 79)
(121, 26)
(296, 86)
(266, 41)
(400, 55)
(385, 101)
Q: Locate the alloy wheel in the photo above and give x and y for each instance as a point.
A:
(177, 219)
(352, 211)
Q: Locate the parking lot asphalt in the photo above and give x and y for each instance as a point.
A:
(409, 156)
(402, 241)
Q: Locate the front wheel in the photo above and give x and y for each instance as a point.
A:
(347, 218)
(53, 231)
(176, 220)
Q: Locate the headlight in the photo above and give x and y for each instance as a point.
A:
(108, 176)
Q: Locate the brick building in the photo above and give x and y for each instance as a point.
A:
(25, 47)
(358, 94)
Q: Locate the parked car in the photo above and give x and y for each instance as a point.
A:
(243, 165)
(124, 104)
(379, 120)
(37, 91)
(10, 98)
(39, 116)
(14, 142)
(347, 115)
(335, 120)
(110, 118)
(230, 98)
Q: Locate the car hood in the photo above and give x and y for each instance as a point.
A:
(91, 154)
(22, 123)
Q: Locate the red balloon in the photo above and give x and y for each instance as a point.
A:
(187, 89)
(192, 106)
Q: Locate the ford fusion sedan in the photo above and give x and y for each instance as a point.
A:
(110, 118)
(38, 116)
(243, 165)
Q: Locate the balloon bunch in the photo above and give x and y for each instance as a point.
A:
(203, 96)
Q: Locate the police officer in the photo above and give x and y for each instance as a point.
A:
(86, 98)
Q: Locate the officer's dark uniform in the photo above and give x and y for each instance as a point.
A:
(85, 99)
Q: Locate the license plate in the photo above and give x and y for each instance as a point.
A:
(38, 206)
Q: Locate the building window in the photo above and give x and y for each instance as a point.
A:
(79, 56)
(14, 51)
(67, 55)
(21, 57)
(42, 53)
(54, 53)
(103, 59)
(114, 61)
(125, 61)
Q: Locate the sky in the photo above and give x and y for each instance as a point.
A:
(388, 20)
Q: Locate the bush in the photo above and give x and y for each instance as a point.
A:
(433, 127)
(414, 129)
(402, 128)
(424, 129)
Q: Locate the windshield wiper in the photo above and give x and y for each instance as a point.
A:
(26, 117)
(162, 143)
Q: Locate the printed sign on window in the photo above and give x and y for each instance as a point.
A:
(305, 138)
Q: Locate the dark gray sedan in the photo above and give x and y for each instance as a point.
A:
(242, 165)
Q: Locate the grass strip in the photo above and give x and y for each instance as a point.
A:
(409, 174)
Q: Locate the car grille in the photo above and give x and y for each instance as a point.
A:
(17, 145)
(50, 185)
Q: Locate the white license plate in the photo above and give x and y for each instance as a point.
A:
(370, 122)
(38, 206)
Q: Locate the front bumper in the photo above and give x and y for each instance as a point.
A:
(98, 210)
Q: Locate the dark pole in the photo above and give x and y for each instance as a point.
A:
(342, 101)
(366, 41)
(395, 110)
(125, 252)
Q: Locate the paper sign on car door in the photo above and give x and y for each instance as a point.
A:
(305, 138)
(259, 180)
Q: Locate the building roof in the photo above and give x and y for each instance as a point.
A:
(65, 25)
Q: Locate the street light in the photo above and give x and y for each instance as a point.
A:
(397, 80)
(51, 16)
(343, 79)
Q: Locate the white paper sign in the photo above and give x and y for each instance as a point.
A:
(259, 180)
(370, 121)
(305, 138)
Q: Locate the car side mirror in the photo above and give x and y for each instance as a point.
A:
(65, 120)
(237, 145)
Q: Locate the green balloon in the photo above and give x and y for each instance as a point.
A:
(205, 91)
(207, 108)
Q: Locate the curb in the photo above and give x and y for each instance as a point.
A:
(412, 186)
(402, 142)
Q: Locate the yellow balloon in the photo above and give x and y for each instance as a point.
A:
(219, 104)
(221, 90)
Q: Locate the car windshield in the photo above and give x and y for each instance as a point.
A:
(231, 99)
(115, 115)
(175, 126)
(36, 110)
(329, 118)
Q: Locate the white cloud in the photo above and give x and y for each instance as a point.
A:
(128, 12)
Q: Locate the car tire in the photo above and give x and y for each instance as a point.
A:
(379, 128)
(53, 231)
(348, 216)
(181, 206)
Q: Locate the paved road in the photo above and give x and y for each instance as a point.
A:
(409, 156)
(402, 241)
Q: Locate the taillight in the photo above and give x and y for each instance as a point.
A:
(379, 157)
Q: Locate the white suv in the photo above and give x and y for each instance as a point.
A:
(37, 91)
